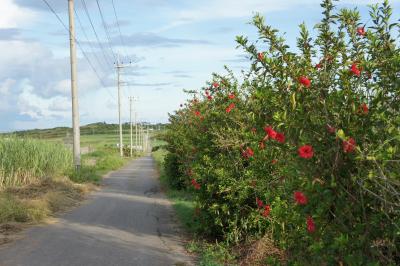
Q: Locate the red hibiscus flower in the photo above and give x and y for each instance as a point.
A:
(209, 97)
(270, 132)
(305, 81)
(364, 108)
(349, 145)
(196, 185)
(230, 107)
(306, 151)
(259, 202)
(280, 137)
(310, 224)
(267, 210)
(197, 113)
(300, 198)
(355, 70)
(215, 84)
(318, 66)
(231, 96)
(248, 153)
(260, 56)
(330, 129)
(361, 31)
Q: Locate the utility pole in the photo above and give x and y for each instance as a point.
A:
(119, 66)
(147, 140)
(74, 89)
(130, 120)
(136, 131)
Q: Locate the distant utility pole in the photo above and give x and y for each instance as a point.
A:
(119, 66)
(136, 131)
(130, 120)
(74, 89)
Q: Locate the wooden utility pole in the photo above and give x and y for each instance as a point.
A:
(74, 89)
(119, 67)
(136, 131)
(130, 120)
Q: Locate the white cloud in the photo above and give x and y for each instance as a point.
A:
(6, 86)
(13, 16)
(37, 107)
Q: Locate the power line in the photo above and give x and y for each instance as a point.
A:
(79, 45)
(106, 30)
(119, 29)
(95, 32)
(87, 38)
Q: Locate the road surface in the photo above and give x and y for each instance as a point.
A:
(128, 222)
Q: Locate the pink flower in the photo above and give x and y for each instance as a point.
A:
(260, 56)
(231, 96)
(215, 84)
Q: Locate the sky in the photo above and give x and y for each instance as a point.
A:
(167, 46)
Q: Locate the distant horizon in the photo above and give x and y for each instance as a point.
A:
(83, 125)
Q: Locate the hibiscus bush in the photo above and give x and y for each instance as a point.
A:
(304, 149)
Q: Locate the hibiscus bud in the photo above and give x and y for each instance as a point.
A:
(361, 31)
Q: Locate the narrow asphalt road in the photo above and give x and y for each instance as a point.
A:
(128, 222)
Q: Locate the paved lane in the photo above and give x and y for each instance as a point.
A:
(128, 222)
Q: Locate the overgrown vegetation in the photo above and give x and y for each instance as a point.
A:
(27, 161)
(37, 178)
(184, 204)
(304, 152)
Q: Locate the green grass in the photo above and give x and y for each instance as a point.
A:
(38, 179)
(25, 161)
(210, 254)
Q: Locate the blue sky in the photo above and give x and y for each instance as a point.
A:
(174, 45)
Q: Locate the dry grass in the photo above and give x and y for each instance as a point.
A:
(257, 252)
(26, 205)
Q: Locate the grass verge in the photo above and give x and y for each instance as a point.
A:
(49, 191)
(210, 254)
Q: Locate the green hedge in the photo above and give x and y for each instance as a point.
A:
(305, 148)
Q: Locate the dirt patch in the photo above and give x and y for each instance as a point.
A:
(257, 252)
(9, 232)
(21, 207)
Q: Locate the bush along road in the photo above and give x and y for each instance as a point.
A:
(127, 222)
(304, 152)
